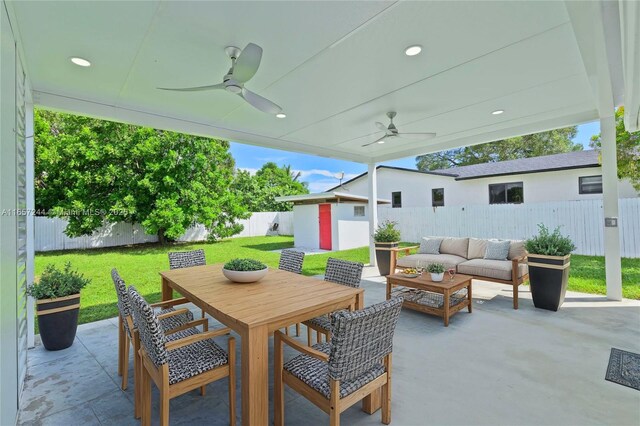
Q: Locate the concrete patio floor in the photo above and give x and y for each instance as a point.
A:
(495, 366)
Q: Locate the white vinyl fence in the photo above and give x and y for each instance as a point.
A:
(581, 220)
(49, 232)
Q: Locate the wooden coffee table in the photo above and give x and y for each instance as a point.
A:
(422, 294)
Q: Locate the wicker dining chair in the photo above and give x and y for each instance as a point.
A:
(291, 261)
(187, 259)
(335, 375)
(179, 366)
(341, 272)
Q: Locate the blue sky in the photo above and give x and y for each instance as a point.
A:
(320, 172)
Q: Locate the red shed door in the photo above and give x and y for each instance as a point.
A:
(324, 215)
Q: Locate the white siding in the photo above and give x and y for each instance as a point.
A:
(306, 226)
(538, 187)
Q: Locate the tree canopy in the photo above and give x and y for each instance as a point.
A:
(628, 150)
(90, 171)
(258, 192)
(535, 145)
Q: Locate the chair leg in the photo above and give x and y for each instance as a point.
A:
(125, 362)
(203, 390)
(286, 330)
(386, 393)
(278, 388)
(164, 404)
(145, 392)
(137, 379)
(318, 337)
(334, 411)
(309, 336)
(515, 296)
(121, 334)
(297, 329)
(232, 381)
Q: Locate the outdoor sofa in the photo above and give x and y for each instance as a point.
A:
(467, 256)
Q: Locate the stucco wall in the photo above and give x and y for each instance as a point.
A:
(349, 231)
(306, 231)
(538, 187)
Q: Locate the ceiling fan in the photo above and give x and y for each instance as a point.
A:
(244, 64)
(391, 131)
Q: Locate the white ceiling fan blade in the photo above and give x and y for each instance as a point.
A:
(194, 89)
(263, 104)
(381, 126)
(247, 63)
(376, 141)
(417, 135)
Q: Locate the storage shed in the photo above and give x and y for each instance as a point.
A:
(330, 220)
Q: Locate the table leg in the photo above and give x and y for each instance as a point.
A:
(470, 298)
(255, 376)
(388, 288)
(446, 301)
(372, 402)
(167, 291)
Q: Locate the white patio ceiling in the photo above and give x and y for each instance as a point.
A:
(334, 67)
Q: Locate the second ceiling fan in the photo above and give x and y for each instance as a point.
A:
(391, 131)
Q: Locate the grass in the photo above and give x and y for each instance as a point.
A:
(139, 265)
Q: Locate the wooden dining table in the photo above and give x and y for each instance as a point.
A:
(255, 311)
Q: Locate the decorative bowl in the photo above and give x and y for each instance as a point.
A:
(410, 275)
(244, 277)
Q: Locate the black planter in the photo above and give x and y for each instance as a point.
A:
(58, 321)
(548, 277)
(383, 257)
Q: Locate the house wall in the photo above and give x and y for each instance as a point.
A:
(306, 227)
(538, 187)
(349, 231)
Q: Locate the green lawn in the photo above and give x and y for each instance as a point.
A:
(140, 265)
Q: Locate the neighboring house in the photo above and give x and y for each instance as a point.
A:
(560, 177)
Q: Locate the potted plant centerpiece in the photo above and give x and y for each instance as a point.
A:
(386, 238)
(437, 271)
(244, 270)
(57, 295)
(549, 261)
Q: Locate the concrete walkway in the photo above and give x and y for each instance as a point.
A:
(495, 366)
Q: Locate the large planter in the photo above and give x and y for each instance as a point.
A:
(383, 257)
(244, 277)
(548, 277)
(58, 321)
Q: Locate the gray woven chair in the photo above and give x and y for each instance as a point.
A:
(180, 365)
(291, 261)
(175, 321)
(340, 272)
(186, 259)
(337, 374)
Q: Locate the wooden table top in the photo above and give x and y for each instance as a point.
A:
(280, 298)
(425, 279)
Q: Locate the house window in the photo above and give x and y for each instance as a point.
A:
(590, 184)
(503, 193)
(358, 211)
(437, 197)
(396, 199)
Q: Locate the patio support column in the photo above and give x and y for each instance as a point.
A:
(30, 190)
(613, 269)
(373, 210)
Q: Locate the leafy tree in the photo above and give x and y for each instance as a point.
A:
(628, 150)
(535, 145)
(91, 171)
(258, 192)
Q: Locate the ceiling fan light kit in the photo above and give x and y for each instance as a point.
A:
(391, 132)
(244, 65)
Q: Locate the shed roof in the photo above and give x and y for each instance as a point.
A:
(327, 197)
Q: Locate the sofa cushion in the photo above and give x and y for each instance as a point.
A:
(456, 246)
(497, 250)
(498, 269)
(430, 245)
(477, 248)
(517, 249)
(448, 260)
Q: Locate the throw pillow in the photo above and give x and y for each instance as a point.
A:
(430, 245)
(497, 250)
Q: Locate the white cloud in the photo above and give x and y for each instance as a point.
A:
(251, 171)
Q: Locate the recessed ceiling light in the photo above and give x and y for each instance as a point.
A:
(382, 141)
(281, 115)
(80, 61)
(497, 112)
(413, 50)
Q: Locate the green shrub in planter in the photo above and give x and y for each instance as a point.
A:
(58, 304)
(386, 238)
(549, 243)
(387, 233)
(436, 268)
(244, 265)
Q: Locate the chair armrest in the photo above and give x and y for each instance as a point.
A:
(404, 249)
(196, 338)
(173, 313)
(307, 350)
(170, 303)
(203, 322)
(519, 259)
